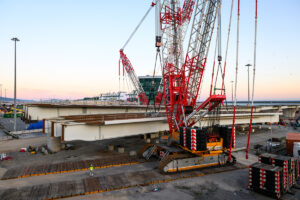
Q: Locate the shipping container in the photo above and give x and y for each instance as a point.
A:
(290, 139)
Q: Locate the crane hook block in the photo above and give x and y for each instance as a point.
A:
(158, 41)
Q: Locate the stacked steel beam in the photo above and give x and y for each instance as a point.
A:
(266, 179)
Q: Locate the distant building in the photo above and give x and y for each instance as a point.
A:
(150, 85)
(118, 96)
(90, 98)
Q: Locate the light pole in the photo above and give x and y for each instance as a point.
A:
(248, 65)
(15, 84)
(232, 91)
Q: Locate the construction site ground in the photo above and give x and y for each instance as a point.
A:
(133, 181)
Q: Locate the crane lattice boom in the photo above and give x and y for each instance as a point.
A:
(133, 77)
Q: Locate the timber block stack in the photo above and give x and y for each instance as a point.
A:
(266, 179)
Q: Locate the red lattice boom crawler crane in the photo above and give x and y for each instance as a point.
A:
(188, 147)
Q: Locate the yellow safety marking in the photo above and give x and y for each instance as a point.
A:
(193, 167)
(59, 172)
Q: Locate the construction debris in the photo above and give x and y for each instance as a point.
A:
(3, 156)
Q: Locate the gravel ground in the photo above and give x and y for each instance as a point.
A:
(261, 136)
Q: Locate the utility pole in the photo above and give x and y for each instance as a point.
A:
(248, 65)
(15, 84)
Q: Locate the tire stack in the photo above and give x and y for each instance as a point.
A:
(193, 138)
(266, 179)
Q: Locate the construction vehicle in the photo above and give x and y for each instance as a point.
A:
(190, 147)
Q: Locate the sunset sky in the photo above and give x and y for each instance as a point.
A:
(70, 48)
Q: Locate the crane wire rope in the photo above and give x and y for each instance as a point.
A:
(152, 83)
(226, 51)
(219, 43)
(135, 30)
(214, 63)
(254, 68)
(227, 43)
(211, 119)
(139, 24)
(236, 76)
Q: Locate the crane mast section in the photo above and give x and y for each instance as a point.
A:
(184, 17)
(171, 66)
(200, 38)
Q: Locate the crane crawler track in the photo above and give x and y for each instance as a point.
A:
(191, 162)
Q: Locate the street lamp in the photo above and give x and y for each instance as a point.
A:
(15, 84)
(248, 65)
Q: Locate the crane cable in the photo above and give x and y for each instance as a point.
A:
(236, 75)
(219, 43)
(227, 44)
(139, 24)
(254, 68)
(152, 85)
(134, 31)
(213, 69)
